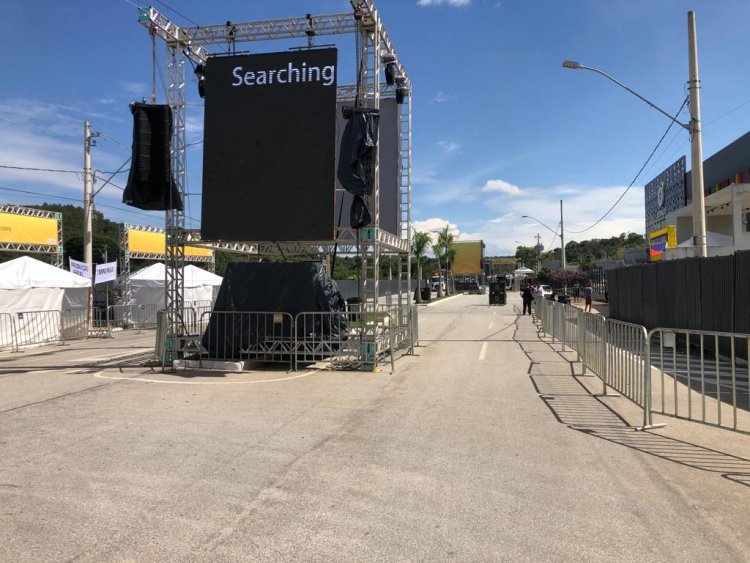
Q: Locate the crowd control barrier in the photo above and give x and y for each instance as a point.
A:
(701, 376)
(696, 375)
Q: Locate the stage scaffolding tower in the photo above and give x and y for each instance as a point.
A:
(372, 42)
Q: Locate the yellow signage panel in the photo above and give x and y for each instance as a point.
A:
(659, 241)
(468, 258)
(154, 243)
(22, 229)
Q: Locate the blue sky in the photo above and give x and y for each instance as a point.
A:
(500, 129)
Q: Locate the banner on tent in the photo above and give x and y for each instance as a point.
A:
(80, 269)
(106, 272)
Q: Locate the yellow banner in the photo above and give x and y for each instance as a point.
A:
(154, 243)
(23, 229)
(468, 258)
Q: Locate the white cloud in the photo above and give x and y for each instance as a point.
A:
(449, 147)
(455, 3)
(500, 186)
(440, 97)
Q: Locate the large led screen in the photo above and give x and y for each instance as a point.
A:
(269, 147)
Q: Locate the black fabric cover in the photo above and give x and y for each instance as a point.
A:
(150, 184)
(358, 145)
(272, 287)
(359, 215)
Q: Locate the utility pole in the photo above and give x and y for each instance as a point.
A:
(562, 237)
(88, 211)
(538, 249)
(696, 144)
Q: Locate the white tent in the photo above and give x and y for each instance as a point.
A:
(147, 285)
(34, 295)
(712, 239)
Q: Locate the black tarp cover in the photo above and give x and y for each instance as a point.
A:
(151, 184)
(292, 288)
(358, 145)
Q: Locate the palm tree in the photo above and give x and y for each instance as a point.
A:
(445, 243)
(420, 244)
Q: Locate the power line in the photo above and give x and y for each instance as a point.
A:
(619, 199)
(77, 200)
(176, 12)
(41, 169)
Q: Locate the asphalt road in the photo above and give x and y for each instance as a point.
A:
(481, 447)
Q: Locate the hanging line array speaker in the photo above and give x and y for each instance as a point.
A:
(358, 149)
(151, 185)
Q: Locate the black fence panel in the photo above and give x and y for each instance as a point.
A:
(614, 289)
(666, 277)
(742, 292)
(634, 297)
(652, 308)
(687, 302)
(717, 293)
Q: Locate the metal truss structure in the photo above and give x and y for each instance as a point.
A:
(55, 251)
(372, 43)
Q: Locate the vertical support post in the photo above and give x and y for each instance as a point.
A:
(175, 218)
(581, 324)
(696, 144)
(88, 235)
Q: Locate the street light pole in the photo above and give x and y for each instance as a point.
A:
(694, 128)
(696, 144)
(562, 235)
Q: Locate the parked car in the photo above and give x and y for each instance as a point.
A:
(546, 291)
(434, 284)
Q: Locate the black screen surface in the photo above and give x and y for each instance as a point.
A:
(269, 151)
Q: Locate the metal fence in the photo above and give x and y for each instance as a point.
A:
(7, 333)
(344, 339)
(696, 375)
(701, 376)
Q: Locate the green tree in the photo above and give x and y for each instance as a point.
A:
(526, 255)
(420, 244)
(445, 248)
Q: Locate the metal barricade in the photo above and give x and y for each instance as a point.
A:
(337, 337)
(569, 320)
(37, 327)
(74, 324)
(592, 345)
(8, 333)
(134, 316)
(248, 335)
(701, 376)
(626, 364)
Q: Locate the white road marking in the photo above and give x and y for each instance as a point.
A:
(491, 325)
(483, 351)
(142, 380)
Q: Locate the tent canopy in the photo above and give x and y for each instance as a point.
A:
(524, 270)
(712, 239)
(26, 273)
(153, 276)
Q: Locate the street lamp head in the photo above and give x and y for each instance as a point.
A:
(575, 65)
(525, 217)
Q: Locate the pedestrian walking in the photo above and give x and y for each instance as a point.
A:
(527, 297)
(588, 295)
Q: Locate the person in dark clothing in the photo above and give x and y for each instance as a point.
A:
(527, 297)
